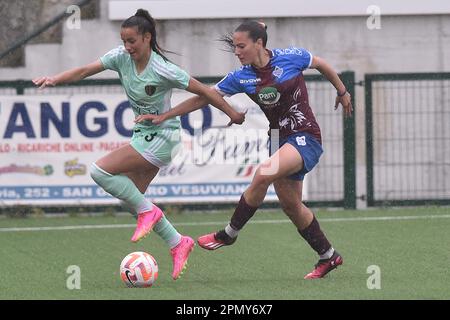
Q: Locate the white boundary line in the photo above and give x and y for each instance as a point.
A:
(212, 223)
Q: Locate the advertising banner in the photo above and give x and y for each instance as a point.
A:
(49, 142)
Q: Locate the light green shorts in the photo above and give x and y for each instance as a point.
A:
(158, 146)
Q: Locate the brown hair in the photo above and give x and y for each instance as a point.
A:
(256, 30)
(145, 23)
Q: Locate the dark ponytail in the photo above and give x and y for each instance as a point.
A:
(256, 30)
(145, 23)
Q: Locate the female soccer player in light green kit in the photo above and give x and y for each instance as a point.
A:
(148, 78)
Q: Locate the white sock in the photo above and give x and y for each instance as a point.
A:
(327, 254)
(231, 232)
(174, 241)
(145, 205)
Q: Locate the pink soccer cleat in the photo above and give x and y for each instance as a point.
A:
(215, 240)
(145, 222)
(325, 265)
(180, 255)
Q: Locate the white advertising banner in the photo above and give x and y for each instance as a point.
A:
(49, 142)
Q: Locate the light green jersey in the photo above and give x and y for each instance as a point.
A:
(150, 91)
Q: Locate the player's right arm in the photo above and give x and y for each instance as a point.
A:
(227, 86)
(182, 108)
(72, 75)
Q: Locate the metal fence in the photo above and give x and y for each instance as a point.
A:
(331, 183)
(408, 138)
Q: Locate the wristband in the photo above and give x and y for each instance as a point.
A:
(341, 95)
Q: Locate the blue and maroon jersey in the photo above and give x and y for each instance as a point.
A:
(279, 89)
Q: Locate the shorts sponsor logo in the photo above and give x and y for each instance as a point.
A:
(301, 141)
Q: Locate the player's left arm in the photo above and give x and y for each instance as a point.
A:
(343, 96)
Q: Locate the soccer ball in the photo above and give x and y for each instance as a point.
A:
(139, 269)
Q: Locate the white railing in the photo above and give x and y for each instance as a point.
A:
(216, 9)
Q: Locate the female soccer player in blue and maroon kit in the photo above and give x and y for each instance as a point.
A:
(273, 79)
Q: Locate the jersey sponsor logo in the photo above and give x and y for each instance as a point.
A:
(142, 108)
(277, 72)
(250, 80)
(268, 95)
(282, 52)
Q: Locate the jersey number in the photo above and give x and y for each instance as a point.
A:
(150, 137)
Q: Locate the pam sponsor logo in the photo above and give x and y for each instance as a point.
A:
(268, 95)
(73, 168)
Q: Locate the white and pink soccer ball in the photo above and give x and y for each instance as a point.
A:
(139, 269)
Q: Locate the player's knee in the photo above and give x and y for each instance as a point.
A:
(94, 172)
(284, 206)
(98, 174)
(262, 178)
(289, 207)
